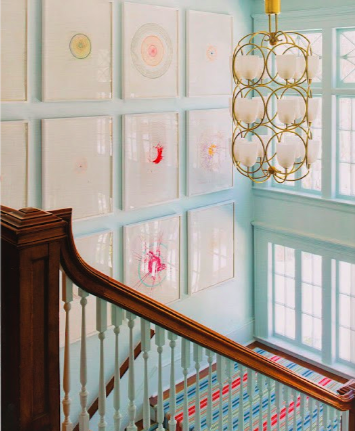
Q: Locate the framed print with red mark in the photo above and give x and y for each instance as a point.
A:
(151, 159)
(152, 258)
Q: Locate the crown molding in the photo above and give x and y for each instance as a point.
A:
(310, 14)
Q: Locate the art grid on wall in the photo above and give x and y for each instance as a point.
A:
(150, 51)
(151, 159)
(210, 246)
(152, 258)
(209, 50)
(77, 51)
(209, 165)
(77, 165)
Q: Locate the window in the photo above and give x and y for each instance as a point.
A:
(346, 57)
(312, 300)
(346, 147)
(284, 291)
(313, 182)
(297, 296)
(346, 311)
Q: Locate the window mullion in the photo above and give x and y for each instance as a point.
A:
(328, 311)
(298, 292)
(328, 150)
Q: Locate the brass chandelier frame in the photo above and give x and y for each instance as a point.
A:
(269, 88)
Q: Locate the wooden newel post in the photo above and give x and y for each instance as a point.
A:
(30, 241)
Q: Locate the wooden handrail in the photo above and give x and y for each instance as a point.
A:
(129, 299)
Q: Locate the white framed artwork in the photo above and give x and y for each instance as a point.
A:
(210, 246)
(14, 50)
(152, 258)
(209, 166)
(96, 250)
(77, 50)
(151, 159)
(209, 49)
(77, 165)
(150, 51)
(14, 164)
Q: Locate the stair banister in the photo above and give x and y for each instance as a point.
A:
(30, 236)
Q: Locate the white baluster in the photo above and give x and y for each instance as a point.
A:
(197, 355)
(185, 364)
(279, 403)
(117, 320)
(251, 393)
(287, 407)
(172, 402)
(67, 297)
(295, 415)
(229, 373)
(332, 414)
(270, 385)
(261, 379)
(241, 399)
(131, 384)
(318, 403)
(146, 346)
(338, 418)
(303, 410)
(326, 414)
(210, 356)
(84, 415)
(221, 376)
(312, 403)
(160, 341)
(101, 327)
(345, 421)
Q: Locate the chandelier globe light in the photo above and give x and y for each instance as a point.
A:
(272, 106)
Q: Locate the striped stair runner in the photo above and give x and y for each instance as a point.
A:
(252, 414)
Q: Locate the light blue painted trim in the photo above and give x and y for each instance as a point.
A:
(306, 199)
(311, 14)
(315, 240)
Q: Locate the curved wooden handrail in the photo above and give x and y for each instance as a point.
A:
(129, 299)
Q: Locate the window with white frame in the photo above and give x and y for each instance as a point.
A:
(296, 278)
(312, 183)
(346, 311)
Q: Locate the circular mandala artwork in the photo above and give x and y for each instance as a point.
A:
(80, 46)
(211, 53)
(152, 51)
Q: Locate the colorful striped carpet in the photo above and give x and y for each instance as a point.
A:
(251, 404)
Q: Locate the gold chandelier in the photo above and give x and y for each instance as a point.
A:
(272, 105)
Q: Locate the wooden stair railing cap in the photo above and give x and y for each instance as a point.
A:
(349, 387)
(29, 225)
(117, 293)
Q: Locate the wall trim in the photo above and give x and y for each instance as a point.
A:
(317, 201)
(327, 243)
(310, 14)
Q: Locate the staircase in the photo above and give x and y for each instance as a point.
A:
(237, 388)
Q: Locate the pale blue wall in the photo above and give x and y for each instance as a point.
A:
(225, 308)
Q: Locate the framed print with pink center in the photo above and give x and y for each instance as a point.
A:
(77, 51)
(13, 28)
(150, 51)
(14, 161)
(77, 165)
(209, 167)
(210, 246)
(209, 49)
(152, 258)
(151, 159)
(97, 251)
